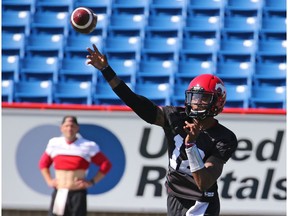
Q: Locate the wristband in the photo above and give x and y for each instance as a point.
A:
(194, 157)
(108, 73)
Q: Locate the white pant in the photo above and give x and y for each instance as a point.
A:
(198, 209)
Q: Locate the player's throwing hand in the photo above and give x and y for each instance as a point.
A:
(98, 60)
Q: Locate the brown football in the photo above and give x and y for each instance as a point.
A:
(83, 20)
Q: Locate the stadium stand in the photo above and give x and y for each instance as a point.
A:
(164, 26)
(54, 5)
(235, 73)
(158, 93)
(243, 42)
(10, 68)
(73, 93)
(178, 94)
(156, 72)
(50, 23)
(238, 96)
(19, 5)
(122, 46)
(33, 91)
(16, 22)
(39, 68)
(13, 44)
(187, 70)
(272, 73)
(7, 91)
(104, 96)
(268, 97)
(76, 45)
(77, 70)
(126, 70)
(163, 49)
(45, 45)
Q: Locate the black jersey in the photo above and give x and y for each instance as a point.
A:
(218, 141)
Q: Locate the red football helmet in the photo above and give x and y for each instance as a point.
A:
(205, 96)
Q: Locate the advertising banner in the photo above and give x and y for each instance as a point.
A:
(253, 180)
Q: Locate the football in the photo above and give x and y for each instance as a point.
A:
(83, 20)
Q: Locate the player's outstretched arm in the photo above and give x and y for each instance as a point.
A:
(142, 106)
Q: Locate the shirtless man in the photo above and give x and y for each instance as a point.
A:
(71, 156)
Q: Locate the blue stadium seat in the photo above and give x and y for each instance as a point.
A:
(268, 97)
(126, 25)
(18, 5)
(73, 93)
(156, 72)
(267, 35)
(238, 46)
(55, 5)
(33, 91)
(187, 70)
(272, 51)
(165, 22)
(248, 23)
(244, 9)
(274, 24)
(279, 5)
(205, 23)
(76, 45)
(50, 23)
(104, 95)
(158, 93)
(272, 14)
(102, 25)
(272, 47)
(99, 7)
(274, 20)
(130, 7)
(13, 44)
(178, 96)
(160, 49)
(270, 59)
(244, 4)
(123, 46)
(270, 74)
(125, 69)
(10, 68)
(200, 45)
(7, 91)
(207, 4)
(168, 7)
(45, 46)
(237, 96)
(39, 68)
(205, 8)
(189, 33)
(235, 73)
(16, 22)
(195, 68)
(198, 58)
(202, 28)
(164, 26)
(238, 51)
(77, 70)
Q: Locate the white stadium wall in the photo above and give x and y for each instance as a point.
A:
(253, 181)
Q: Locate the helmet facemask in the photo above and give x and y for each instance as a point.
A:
(198, 103)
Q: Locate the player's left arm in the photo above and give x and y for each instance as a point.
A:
(105, 165)
(208, 175)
